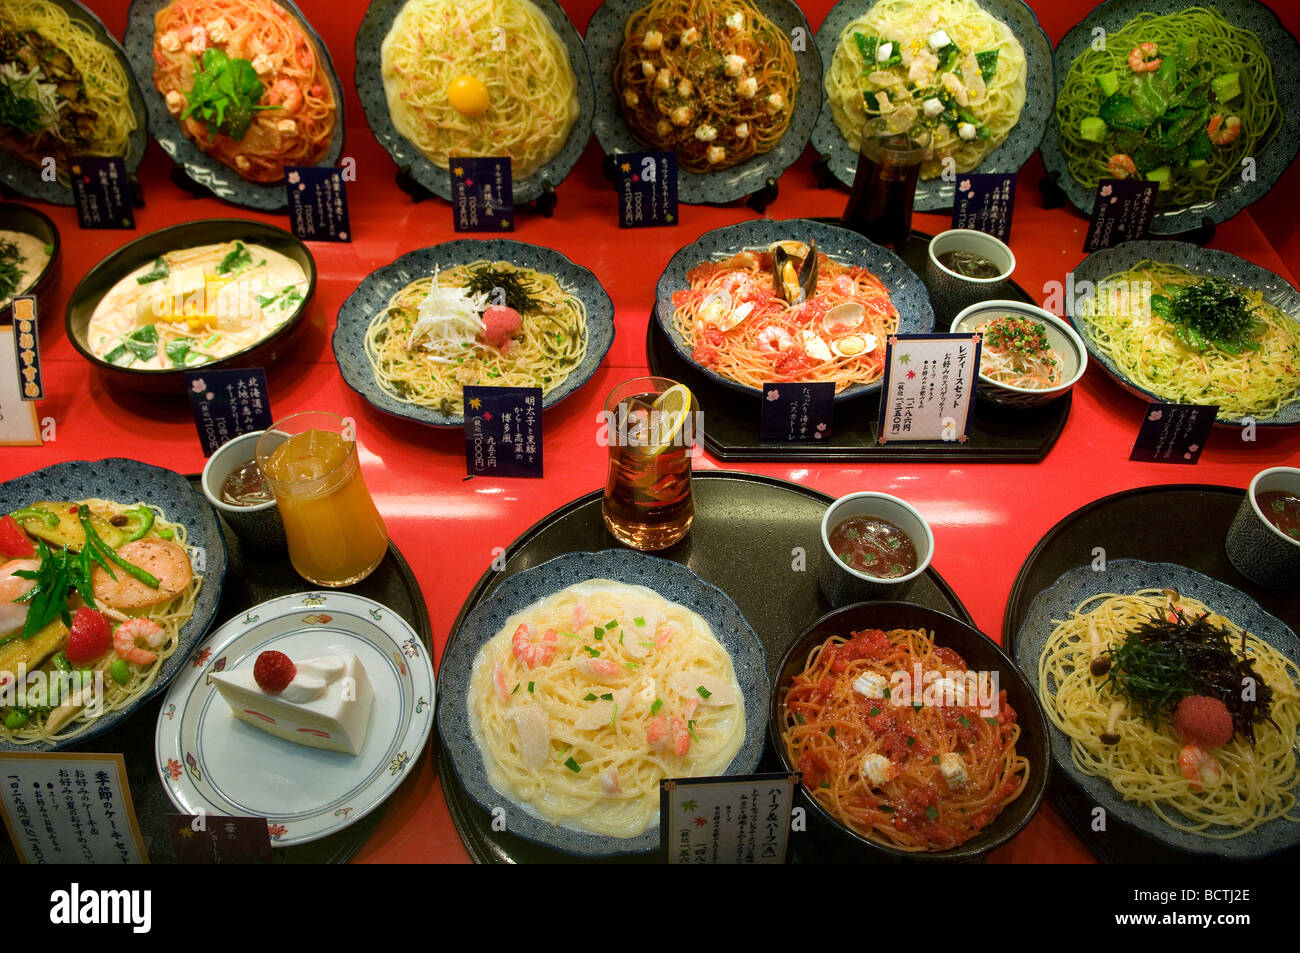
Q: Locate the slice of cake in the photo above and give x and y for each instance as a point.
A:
(319, 702)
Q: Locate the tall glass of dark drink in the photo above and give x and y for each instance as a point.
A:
(651, 423)
(889, 164)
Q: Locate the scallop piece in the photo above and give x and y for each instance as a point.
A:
(845, 316)
(814, 346)
(688, 684)
(534, 734)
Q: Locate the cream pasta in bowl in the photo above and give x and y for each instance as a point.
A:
(583, 689)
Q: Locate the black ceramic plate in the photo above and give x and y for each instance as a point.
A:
(375, 291)
(27, 180)
(15, 217)
(100, 280)
(669, 579)
(223, 181)
(129, 481)
(906, 291)
(605, 38)
(936, 194)
(981, 654)
(1200, 261)
(777, 526)
(370, 85)
(1134, 525)
(1270, 162)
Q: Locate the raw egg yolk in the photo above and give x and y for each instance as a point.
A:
(468, 96)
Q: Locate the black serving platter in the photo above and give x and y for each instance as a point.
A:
(1136, 524)
(101, 279)
(251, 579)
(744, 539)
(731, 423)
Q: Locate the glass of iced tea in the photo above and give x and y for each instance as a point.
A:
(651, 424)
(336, 535)
(884, 187)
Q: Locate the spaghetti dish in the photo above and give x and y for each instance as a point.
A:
(1016, 352)
(246, 83)
(774, 315)
(945, 64)
(1179, 99)
(489, 323)
(63, 91)
(193, 306)
(1194, 340)
(713, 80)
(913, 769)
(585, 700)
(479, 78)
(1148, 688)
(93, 596)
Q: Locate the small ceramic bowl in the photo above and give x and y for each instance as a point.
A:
(259, 527)
(1064, 340)
(1260, 551)
(841, 584)
(950, 291)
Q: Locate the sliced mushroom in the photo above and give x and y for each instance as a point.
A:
(1111, 736)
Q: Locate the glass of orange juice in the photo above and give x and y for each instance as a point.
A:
(336, 535)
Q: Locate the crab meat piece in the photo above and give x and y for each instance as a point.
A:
(534, 734)
(602, 712)
(688, 685)
(814, 346)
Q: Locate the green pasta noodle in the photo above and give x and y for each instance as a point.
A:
(1160, 117)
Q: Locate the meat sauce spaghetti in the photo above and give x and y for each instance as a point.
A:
(894, 768)
(739, 325)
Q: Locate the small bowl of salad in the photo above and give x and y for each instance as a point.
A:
(1028, 356)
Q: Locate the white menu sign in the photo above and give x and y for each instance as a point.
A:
(19, 424)
(928, 387)
(734, 820)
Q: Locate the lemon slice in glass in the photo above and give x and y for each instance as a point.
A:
(671, 409)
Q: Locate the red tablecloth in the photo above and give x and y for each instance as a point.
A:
(986, 517)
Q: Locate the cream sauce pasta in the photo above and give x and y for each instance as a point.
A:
(586, 699)
(29, 256)
(190, 307)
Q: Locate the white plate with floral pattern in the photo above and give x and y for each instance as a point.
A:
(213, 763)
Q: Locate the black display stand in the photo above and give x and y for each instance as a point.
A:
(1049, 187)
(822, 171)
(543, 205)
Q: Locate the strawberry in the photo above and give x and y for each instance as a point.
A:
(90, 637)
(273, 671)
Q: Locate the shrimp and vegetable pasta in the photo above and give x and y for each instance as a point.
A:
(246, 83)
(93, 596)
(1148, 687)
(585, 700)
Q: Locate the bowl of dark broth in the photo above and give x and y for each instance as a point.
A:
(1263, 542)
(235, 486)
(873, 546)
(964, 267)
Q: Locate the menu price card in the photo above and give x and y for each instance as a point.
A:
(101, 192)
(19, 424)
(794, 413)
(70, 809)
(227, 404)
(217, 839)
(984, 202)
(28, 350)
(736, 820)
(482, 194)
(1173, 433)
(318, 203)
(928, 387)
(647, 189)
(503, 431)
(1121, 212)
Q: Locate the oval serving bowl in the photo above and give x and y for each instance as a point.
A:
(1064, 340)
(1270, 162)
(906, 292)
(605, 38)
(223, 181)
(936, 194)
(980, 654)
(376, 23)
(16, 217)
(1059, 600)
(130, 481)
(27, 180)
(377, 289)
(100, 280)
(1204, 262)
(672, 581)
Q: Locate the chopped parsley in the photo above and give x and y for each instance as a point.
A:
(659, 703)
(573, 766)
(704, 692)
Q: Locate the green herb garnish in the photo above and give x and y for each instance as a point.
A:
(225, 94)
(1211, 311)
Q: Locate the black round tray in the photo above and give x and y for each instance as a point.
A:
(251, 579)
(744, 538)
(1180, 523)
